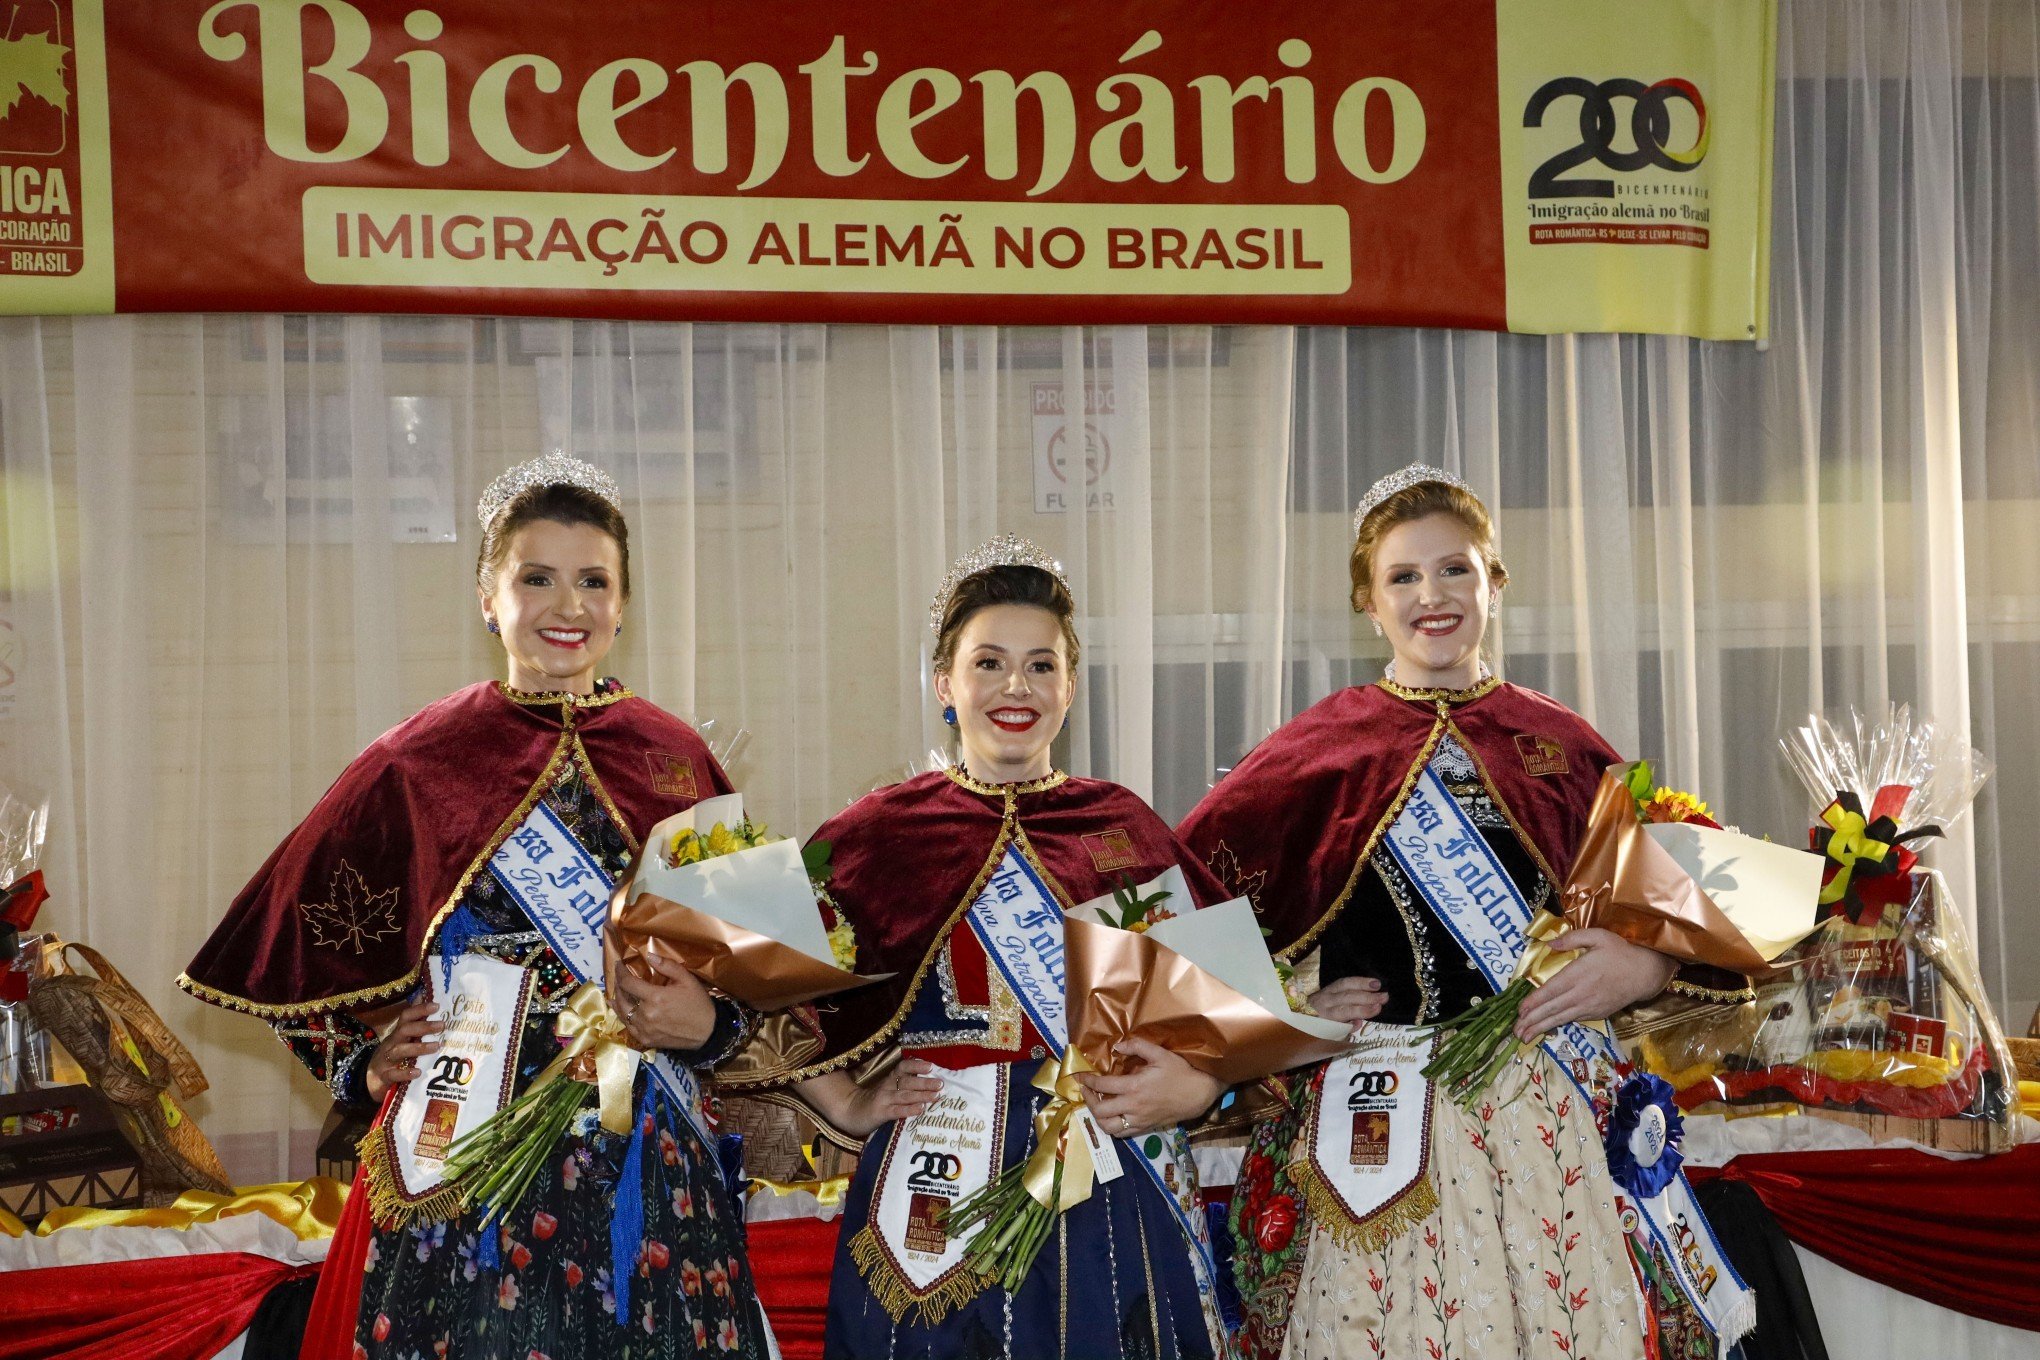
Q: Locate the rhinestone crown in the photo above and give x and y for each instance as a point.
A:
(1007, 550)
(1401, 480)
(557, 468)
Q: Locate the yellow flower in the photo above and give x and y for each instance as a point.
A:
(843, 944)
(1673, 805)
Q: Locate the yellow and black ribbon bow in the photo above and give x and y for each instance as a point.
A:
(1869, 867)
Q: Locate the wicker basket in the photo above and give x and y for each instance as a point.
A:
(133, 1060)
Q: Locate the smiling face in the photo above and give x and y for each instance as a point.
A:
(1431, 594)
(1011, 685)
(557, 600)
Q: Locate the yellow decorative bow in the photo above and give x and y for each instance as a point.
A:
(1852, 841)
(1539, 961)
(1054, 1141)
(598, 1052)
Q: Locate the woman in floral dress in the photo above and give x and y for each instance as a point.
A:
(626, 1244)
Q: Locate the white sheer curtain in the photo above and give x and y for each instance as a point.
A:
(239, 547)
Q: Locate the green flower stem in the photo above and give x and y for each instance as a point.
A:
(1477, 1043)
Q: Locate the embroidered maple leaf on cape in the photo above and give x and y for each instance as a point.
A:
(356, 915)
(1226, 866)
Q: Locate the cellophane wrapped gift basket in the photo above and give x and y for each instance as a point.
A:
(1878, 1018)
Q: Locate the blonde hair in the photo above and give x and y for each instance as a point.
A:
(1421, 502)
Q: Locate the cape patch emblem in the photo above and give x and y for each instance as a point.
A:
(1111, 850)
(672, 776)
(1541, 755)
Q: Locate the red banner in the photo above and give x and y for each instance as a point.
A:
(1521, 164)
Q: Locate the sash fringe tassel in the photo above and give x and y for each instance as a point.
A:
(1379, 1228)
(387, 1204)
(896, 1296)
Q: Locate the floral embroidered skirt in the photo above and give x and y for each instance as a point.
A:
(1114, 1280)
(552, 1294)
(1523, 1255)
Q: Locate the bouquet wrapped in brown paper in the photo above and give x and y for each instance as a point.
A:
(1670, 881)
(1198, 983)
(740, 910)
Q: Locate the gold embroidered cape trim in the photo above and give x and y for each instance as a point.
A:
(537, 698)
(563, 750)
(1724, 996)
(1479, 690)
(961, 777)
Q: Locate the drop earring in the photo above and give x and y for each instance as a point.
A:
(494, 627)
(1378, 631)
(949, 714)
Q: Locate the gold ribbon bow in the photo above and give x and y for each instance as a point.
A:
(1539, 961)
(1851, 841)
(1055, 1142)
(598, 1052)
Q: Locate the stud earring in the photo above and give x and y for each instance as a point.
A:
(494, 627)
(949, 714)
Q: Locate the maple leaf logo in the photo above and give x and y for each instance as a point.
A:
(356, 916)
(1240, 883)
(32, 65)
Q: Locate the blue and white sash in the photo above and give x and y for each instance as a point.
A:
(1020, 924)
(564, 891)
(1450, 863)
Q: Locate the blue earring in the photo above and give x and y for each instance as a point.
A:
(619, 630)
(495, 628)
(949, 714)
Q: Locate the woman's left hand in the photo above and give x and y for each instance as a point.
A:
(1159, 1092)
(675, 1012)
(1609, 974)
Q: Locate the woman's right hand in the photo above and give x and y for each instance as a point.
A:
(902, 1093)
(1350, 999)
(395, 1059)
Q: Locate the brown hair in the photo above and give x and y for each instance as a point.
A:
(561, 504)
(1420, 502)
(1005, 585)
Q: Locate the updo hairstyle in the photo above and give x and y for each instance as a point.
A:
(1420, 502)
(1005, 585)
(561, 504)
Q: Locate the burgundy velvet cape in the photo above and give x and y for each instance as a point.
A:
(909, 860)
(345, 908)
(1293, 823)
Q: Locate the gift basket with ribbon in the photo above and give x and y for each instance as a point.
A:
(1879, 1017)
(92, 1083)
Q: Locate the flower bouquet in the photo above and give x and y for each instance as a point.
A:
(738, 908)
(1656, 869)
(1199, 983)
(747, 913)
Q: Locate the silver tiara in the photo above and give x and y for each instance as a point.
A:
(1402, 479)
(1007, 550)
(557, 468)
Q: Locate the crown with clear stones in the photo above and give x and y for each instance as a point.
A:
(1401, 480)
(1007, 550)
(557, 468)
